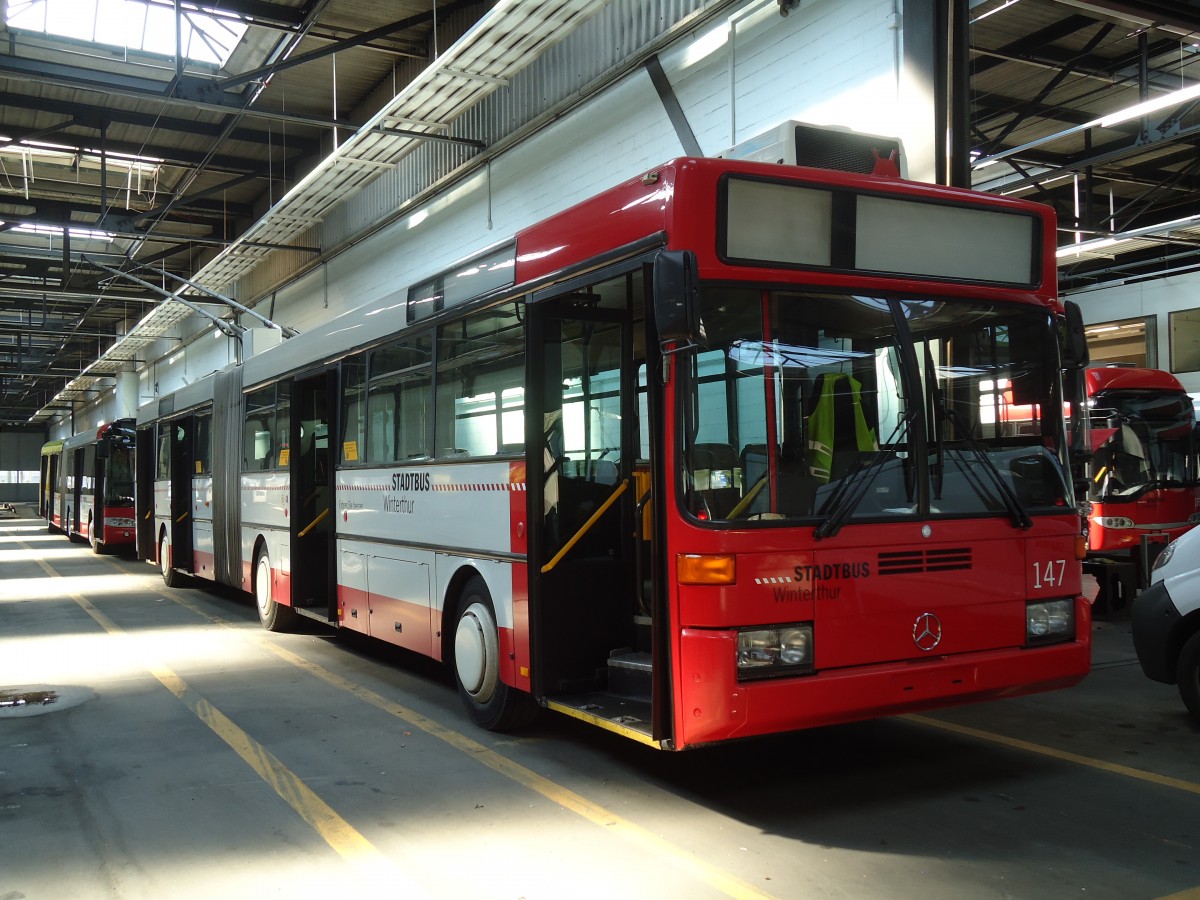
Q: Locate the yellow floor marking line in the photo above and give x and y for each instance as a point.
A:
(1114, 768)
(556, 793)
(375, 868)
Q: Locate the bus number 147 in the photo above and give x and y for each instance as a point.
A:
(1048, 574)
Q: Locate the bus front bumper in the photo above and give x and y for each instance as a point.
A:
(715, 706)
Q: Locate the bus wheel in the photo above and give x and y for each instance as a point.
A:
(490, 702)
(171, 578)
(274, 616)
(1189, 675)
(97, 545)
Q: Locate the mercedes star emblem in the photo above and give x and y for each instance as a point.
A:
(927, 631)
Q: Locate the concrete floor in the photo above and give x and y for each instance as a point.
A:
(191, 754)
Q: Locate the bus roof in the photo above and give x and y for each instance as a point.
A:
(680, 200)
(1130, 378)
(675, 205)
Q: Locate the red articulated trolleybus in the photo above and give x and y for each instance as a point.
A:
(717, 453)
(1143, 482)
(77, 471)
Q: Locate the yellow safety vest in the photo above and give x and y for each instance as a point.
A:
(821, 427)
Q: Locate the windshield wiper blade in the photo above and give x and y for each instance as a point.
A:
(1012, 502)
(853, 487)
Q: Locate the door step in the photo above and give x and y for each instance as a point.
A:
(630, 674)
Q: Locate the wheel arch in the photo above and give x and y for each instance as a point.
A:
(259, 545)
(1180, 635)
(450, 599)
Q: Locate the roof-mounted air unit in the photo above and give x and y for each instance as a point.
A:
(820, 146)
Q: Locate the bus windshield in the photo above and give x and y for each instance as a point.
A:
(822, 408)
(1141, 438)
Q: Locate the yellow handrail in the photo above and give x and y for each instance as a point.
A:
(314, 523)
(586, 527)
(748, 499)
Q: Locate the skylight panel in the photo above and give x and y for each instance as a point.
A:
(132, 25)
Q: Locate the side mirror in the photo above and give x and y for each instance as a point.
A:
(1075, 355)
(102, 450)
(675, 296)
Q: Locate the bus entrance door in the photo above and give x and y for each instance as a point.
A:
(144, 463)
(584, 443)
(311, 472)
(182, 467)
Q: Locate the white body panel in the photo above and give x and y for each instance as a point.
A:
(266, 508)
(202, 527)
(162, 513)
(1181, 573)
(405, 533)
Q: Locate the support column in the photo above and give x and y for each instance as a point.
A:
(923, 88)
(125, 396)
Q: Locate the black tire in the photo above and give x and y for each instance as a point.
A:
(490, 702)
(274, 616)
(171, 577)
(1189, 675)
(97, 545)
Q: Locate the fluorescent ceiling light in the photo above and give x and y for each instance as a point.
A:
(1174, 98)
(1144, 109)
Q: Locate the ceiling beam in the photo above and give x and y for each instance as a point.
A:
(190, 91)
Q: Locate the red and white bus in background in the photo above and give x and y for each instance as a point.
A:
(1143, 479)
(77, 471)
(713, 454)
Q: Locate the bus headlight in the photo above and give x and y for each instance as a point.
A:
(763, 653)
(1114, 522)
(1049, 620)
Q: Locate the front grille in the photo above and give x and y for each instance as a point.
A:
(915, 562)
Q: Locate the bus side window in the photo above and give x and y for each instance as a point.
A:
(203, 444)
(260, 420)
(398, 400)
(480, 380)
(163, 471)
(354, 433)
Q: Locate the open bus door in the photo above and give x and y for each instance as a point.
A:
(144, 492)
(182, 466)
(311, 477)
(588, 480)
(76, 472)
(50, 475)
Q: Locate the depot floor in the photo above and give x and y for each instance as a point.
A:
(188, 753)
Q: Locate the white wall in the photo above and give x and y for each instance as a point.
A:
(798, 67)
(829, 62)
(1157, 298)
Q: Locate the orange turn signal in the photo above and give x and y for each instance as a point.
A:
(696, 568)
(1081, 546)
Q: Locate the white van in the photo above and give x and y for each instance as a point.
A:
(1166, 620)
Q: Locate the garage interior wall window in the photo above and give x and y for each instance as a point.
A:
(1184, 328)
(1127, 341)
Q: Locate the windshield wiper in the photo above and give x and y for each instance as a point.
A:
(1012, 502)
(851, 489)
(938, 412)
